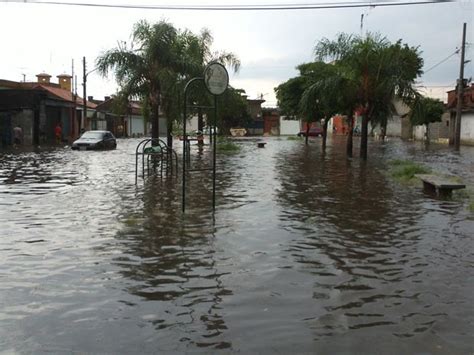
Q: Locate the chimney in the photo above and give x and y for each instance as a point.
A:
(90, 98)
(64, 81)
(43, 78)
(106, 98)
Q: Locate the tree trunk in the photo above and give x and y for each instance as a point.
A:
(349, 144)
(307, 133)
(169, 129)
(364, 137)
(200, 126)
(155, 121)
(325, 133)
(427, 134)
(383, 131)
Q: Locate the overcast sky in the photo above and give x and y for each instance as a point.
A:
(270, 44)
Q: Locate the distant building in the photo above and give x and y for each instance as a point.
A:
(38, 107)
(467, 120)
(122, 122)
(256, 127)
(271, 121)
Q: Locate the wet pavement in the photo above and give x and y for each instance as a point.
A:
(306, 253)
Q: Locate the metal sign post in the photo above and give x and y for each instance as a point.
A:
(216, 80)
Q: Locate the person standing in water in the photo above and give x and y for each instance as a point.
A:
(17, 135)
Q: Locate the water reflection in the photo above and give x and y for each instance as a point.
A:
(306, 253)
(170, 260)
(364, 241)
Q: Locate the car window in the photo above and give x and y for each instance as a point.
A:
(92, 135)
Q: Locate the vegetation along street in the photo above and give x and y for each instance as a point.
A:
(275, 178)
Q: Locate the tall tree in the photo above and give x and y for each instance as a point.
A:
(290, 94)
(333, 92)
(383, 71)
(426, 110)
(232, 110)
(147, 68)
(199, 48)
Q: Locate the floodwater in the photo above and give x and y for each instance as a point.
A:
(306, 253)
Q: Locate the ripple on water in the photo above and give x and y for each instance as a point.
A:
(305, 251)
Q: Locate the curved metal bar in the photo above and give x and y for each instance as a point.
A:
(188, 84)
(155, 158)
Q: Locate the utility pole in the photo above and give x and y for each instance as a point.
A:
(74, 95)
(457, 131)
(84, 92)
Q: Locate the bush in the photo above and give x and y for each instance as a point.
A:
(224, 145)
(405, 170)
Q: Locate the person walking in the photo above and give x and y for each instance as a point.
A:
(17, 135)
(58, 133)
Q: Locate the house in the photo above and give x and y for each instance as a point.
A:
(38, 107)
(467, 115)
(126, 121)
(121, 121)
(271, 121)
(256, 127)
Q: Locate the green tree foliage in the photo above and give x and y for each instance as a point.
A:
(426, 110)
(381, 71)
(120, 104)
(157, 64)
(147, 68)
(198, 47)
(232, 110)
(289, 94)
(331, 92)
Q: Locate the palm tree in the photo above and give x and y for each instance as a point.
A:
(333, 92)
(381, 70)
(148, 67)
(426, 110)
(198, 47)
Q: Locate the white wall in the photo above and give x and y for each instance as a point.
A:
(135, 125)
(192, 124)
(394, 127)
(467, 128)
(419, 132)
(289, 127)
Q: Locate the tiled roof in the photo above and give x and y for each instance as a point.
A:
(51, 88)
(135, 107)
(65, 95)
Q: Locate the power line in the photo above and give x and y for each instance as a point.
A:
(442, 61)
(313, 6)
(435, 86)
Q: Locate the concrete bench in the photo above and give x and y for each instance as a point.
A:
(441, 186)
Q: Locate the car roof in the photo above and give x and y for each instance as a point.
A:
(97, 131)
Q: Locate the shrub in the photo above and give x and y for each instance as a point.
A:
(405, 170)
(227, 146)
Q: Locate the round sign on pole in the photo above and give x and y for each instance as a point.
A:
(216, 78)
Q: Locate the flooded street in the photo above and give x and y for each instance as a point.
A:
(305, 254)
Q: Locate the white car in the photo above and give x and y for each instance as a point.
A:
(95, 140)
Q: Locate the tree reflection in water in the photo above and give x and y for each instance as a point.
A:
(359, 239)
(170, 260)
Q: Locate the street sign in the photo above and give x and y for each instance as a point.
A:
(216, 78)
